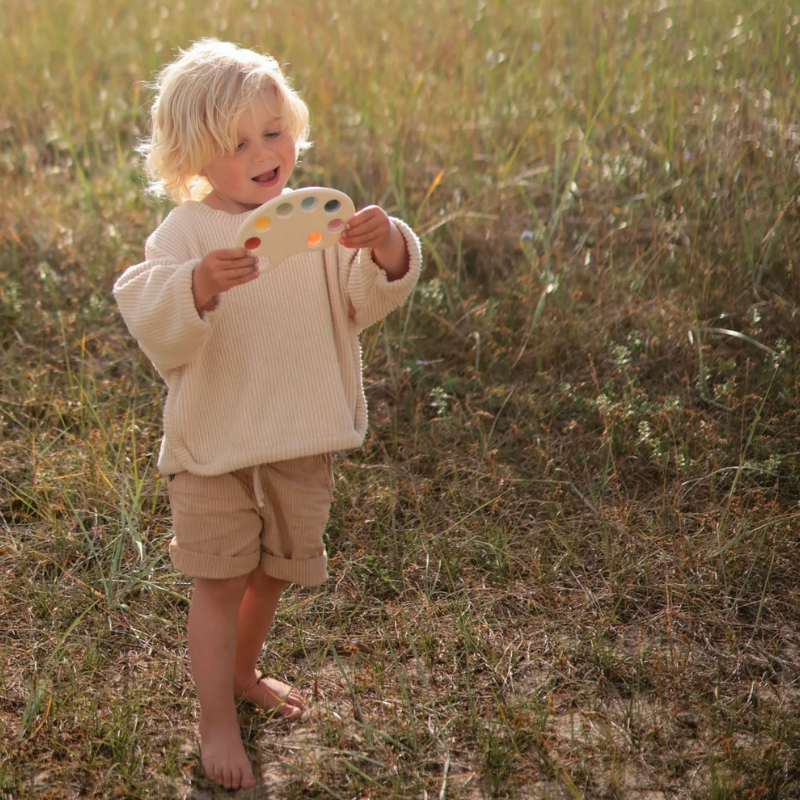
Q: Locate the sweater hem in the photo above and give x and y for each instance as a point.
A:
(169, 464)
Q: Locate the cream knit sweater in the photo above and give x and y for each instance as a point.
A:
(274, 371)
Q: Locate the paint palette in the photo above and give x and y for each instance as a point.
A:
(295, 222)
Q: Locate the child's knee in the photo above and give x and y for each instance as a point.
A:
(223, 591)
(261, 582)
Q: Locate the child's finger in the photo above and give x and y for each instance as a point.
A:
(357, 223)
(239, 263)
(234, 274)
(363, 224)
(359, 241)
(233, 253)
(363, 237)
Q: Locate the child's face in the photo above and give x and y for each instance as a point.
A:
(261, 165)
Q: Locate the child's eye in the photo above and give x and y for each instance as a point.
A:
(239, 146)
(272, 134)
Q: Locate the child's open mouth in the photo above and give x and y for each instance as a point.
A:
(267, 178)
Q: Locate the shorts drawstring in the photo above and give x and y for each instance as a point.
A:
(257, 488)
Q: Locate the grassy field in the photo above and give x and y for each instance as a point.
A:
(565, 563)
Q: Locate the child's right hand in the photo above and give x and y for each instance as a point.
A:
(219, 271)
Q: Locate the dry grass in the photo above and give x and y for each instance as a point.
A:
(564, 564)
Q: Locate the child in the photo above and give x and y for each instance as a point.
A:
(263, 371)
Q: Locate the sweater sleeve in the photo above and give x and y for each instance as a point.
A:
(372, 294)
(156, 301)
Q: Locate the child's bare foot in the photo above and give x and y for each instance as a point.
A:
(224, 759)
(273, 695)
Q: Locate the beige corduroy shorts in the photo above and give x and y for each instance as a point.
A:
(273, 515)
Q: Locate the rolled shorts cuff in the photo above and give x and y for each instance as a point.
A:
(202, 565)
(306, 571)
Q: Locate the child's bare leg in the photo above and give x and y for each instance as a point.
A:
(212, 650)
(255, 618)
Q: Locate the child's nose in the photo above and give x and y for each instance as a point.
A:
(263, 150)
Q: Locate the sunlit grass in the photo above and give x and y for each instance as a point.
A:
(564, 563)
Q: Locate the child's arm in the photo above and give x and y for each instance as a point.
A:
(381, 274)
(219, 271)
(372, 228)
(156, 301)
(164, 300)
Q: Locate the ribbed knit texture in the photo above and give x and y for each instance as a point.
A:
(274, 371)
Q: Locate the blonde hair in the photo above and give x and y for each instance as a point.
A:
(200, 97)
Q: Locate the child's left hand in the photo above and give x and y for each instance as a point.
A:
(370, 227)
